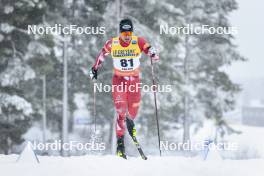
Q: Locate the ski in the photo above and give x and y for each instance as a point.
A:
(132, 132)
(135, 141)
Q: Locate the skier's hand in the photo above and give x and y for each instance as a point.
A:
(93, 73)
(152, 52)
(155, 58)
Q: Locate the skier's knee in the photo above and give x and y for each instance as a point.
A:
(132, 112)
(121, 113)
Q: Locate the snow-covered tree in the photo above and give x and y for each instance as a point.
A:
(209, 90)
(15, 109)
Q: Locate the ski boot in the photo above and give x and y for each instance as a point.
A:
(131, 127)
(120, 151)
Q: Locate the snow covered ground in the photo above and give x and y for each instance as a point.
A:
(112, 165)
(250, 144)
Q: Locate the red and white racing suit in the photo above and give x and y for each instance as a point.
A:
(126, 62)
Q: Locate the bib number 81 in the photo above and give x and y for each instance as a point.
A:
(126, 63)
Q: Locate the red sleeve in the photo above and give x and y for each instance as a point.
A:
(104, 52)
(108, 46)
(143, 45)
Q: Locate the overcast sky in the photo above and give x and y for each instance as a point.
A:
(249, 21)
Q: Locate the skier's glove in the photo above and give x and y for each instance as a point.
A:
(152, 52)
(93, 73)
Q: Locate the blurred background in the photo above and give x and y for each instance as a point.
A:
(46, 93)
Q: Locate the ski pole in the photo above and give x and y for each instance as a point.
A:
(94, 103)
(155, 100)
(94, 109)
(94, 106)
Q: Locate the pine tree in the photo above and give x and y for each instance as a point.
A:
(209, 88)
(15, 109)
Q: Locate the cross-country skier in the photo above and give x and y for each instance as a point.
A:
(126, 51)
